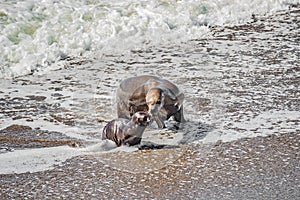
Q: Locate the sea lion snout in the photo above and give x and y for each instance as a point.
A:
(155, 100)
(142, 118)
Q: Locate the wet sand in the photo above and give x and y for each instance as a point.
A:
(241, 140)
(257, 168)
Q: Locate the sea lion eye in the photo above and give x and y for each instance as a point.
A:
(158, 102)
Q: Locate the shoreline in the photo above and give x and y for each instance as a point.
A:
(241, 87)
(244, 169)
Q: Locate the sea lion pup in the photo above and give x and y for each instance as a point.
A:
(125, 131)
(157, 96)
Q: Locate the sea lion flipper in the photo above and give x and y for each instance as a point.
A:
(132, 141)
(178, 116)
(160, 122)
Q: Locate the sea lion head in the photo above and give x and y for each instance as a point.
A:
(141, 118)
(155, 100)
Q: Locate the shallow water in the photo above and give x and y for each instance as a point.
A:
(240, 81)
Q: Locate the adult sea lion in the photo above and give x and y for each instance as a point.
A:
(125, 131)
(157, 96)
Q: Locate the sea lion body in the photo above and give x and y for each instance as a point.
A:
(159, 97)
(125, 131)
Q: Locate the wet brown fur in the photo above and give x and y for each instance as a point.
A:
(125, 131)
(142, 92)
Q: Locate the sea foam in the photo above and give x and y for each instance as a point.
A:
(37, 36)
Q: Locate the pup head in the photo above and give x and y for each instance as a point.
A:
(155, 100)
(141, 118)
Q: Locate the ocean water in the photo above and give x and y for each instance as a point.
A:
(38, 36)
(238, 81)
